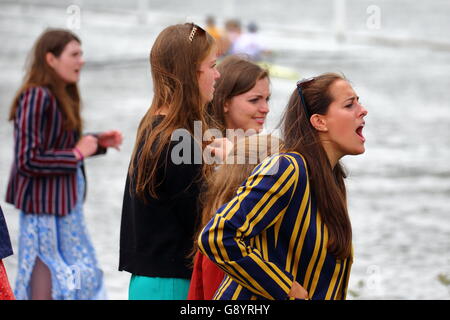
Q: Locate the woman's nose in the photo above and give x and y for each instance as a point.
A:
(264, 108)
(364, 111)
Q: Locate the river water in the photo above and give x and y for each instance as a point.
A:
(396, 55)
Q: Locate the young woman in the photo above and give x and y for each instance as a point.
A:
(293, 205)
(47, 182)
(222, 186)
(5, 251)
(160, 208)
(240, 104)
(241, 97)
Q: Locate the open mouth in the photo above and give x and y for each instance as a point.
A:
(359, 132)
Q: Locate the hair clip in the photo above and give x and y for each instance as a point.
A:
(191, 36)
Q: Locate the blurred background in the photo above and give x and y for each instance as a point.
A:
(396, 53)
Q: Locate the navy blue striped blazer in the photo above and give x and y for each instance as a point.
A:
(271, 234)
(43, 173)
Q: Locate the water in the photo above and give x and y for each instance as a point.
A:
(399, 190)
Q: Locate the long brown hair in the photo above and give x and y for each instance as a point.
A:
(237, 76)
(39, 73)
(327, 183)
(221, 186)
(175, 59)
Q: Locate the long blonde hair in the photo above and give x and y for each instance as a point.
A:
(39, 73)
(222, 185)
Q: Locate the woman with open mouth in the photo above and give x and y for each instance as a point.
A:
(287, 234)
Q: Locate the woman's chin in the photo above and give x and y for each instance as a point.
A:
(358, 151)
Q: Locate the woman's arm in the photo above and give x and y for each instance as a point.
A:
(258, 204)
(31, 157)
(108, 139)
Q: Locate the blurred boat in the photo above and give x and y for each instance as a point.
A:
(278, 71)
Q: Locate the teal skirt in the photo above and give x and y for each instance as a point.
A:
(146, 288)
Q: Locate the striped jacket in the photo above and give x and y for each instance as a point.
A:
(271, 234)
(43, 173)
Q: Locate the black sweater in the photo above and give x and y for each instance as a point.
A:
(157, 235)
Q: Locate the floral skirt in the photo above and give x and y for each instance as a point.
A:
(62, 243)
(5, 289)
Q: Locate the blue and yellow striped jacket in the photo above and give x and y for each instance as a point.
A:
(271, 234)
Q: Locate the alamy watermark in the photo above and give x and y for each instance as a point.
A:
(375, 280)
(74, 278)
(74, 17)
(373, 21)
(220, 149)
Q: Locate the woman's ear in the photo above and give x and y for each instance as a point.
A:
(50, 59)
(226, 106)
(319, 122)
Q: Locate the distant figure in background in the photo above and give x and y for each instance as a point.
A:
(160, 204)
(287, 234)
(250, 44)
(47, 181)
(232, 33)
(240, 103)
(212, 28)
(216, 33)
(5, 251)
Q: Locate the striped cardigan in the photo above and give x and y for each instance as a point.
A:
(43, 173)
(271, 234)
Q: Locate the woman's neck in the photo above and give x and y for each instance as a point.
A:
(332, 155)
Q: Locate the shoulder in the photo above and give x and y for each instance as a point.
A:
(295, 159)
(36, 95)
(37, 90)
(279, 163)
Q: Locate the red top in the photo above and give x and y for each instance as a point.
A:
(206, 278)
(6, 292)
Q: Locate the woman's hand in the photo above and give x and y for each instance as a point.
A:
(87, 146)
(112, 138)
(219, 149)
(298, 292)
